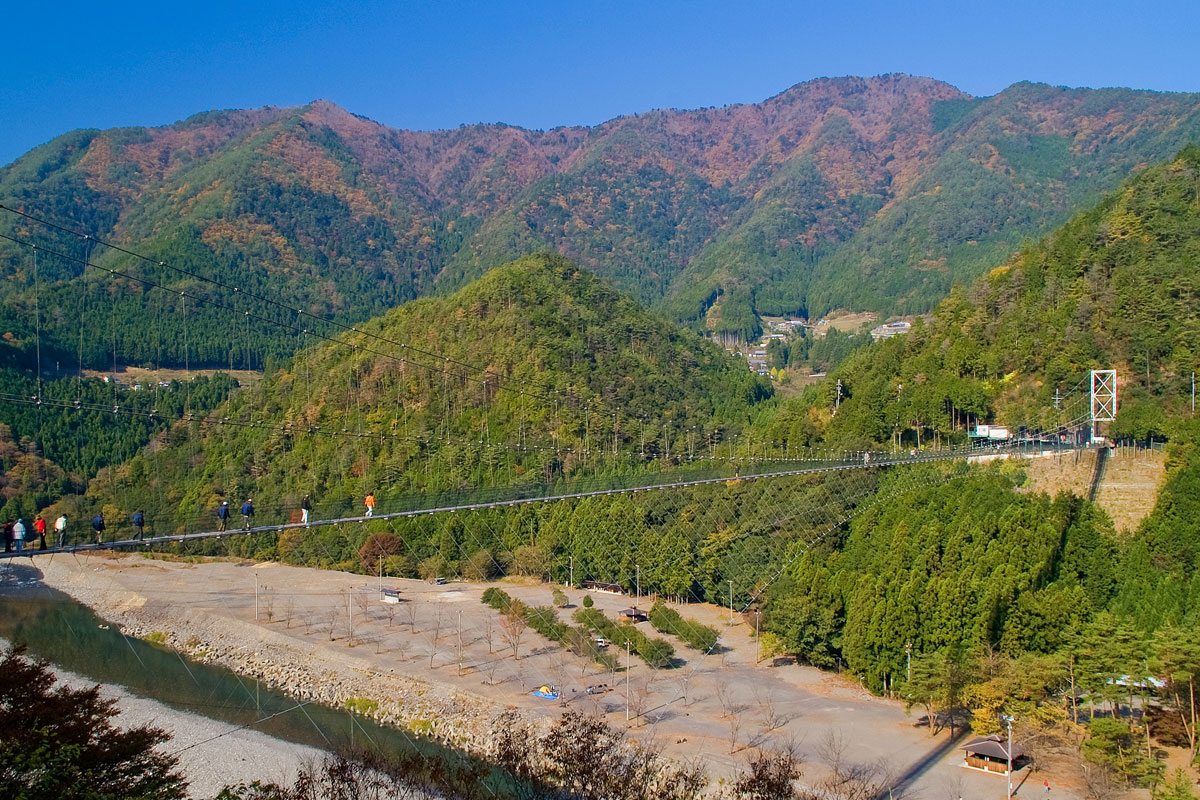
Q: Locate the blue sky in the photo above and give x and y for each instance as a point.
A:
(541, 64)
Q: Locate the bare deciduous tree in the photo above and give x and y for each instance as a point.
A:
(771, 717)
(438, 619)
(639, 698)
(849, 781)
(731, 711)
(332, 615)
(770, 775)
(289, 611)
(513, 626)
(363, 601)
(489, 631)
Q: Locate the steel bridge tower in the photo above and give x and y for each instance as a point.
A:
(1103, 396)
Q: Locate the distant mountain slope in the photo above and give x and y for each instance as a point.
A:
(574, 369)
(874, 193)
(1115, 287)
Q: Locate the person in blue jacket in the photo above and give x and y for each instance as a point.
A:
(222, 515)
(98, 526)
(139, 522)
(247, 513)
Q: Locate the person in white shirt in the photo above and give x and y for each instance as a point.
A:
(19, 535)
(60, 527)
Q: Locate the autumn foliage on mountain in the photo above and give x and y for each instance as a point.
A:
(872, 193)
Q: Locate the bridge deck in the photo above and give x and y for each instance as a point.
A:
(875, 460)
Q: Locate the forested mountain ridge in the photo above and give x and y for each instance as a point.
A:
(873, 193)
(972, 596)
(1113, 288)
(536, 372)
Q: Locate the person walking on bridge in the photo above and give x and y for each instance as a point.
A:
(222, 515)
(370, 503)
(39, 525)
(98, 527)
(8, 536)
(60, 527)
(305, 509)
(139, 522)
(19, 535)
(247, 513)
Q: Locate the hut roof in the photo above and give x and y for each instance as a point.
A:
(993, 747)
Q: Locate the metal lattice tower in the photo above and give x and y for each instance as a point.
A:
(1104, 397)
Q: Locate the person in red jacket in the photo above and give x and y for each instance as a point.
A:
(39, 525)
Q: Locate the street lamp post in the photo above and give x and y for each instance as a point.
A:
(731, 602)
(908, 659)
(627, 683)
(1008, 721)
(757, 638)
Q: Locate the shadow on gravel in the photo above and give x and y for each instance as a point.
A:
(922, 765)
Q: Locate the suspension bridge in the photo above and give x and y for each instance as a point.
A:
(743, 470)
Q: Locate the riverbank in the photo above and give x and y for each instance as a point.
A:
(305, 670)
(212, 754)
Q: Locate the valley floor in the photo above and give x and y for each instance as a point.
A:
(437, 662)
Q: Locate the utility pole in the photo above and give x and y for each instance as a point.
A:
(638, 567)
(1008, 721)
(626, 683)
(1193, 393)
(350, 611)
(256, 597)
(1057, 399)
(757, 638)
(908, 657)
(731, 602)
(838, 401)
(571, 580)
(381, 575)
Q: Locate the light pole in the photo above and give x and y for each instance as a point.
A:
(638, 581)
(627, 683)
(757, 638)
(731, 602)
(256, 597)
(1008, 721)
(908, 658)
(571, 579)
